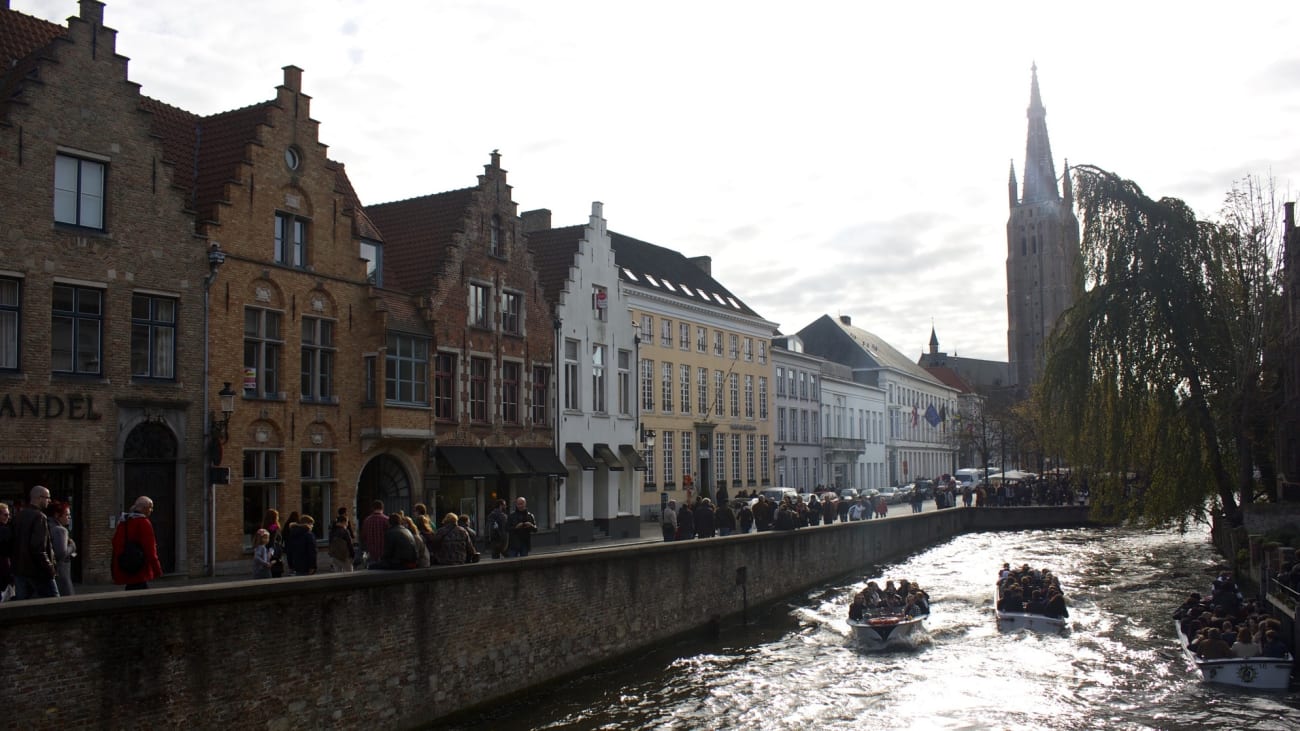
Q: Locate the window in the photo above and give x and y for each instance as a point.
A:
(480, 308)
(649, 455)
(702, 383)
(444, 386)
(511, 303)
(373, 253)
(812, 388)
(670, 476)
(720, 459)
(733, 349)
(600, 303)
(780, 381)
(290, 240)
(701, 340)
(153, 336)
(261, 488)
(10, 318)
(666, 333)
(780, 424)
(684, 335)
(667, 405)
(511, 374)
(762, 352)
(803, 426)
(75, 330)
(685, 382)
(571, 370)
(749, 350)
(406, 370)
(717, 342)
(762, 397)
(749, 459)
(598, 378)
(317, 485)
(495, 245)
(764, 464)
(479, 374)
(647, 384)
(79, 192)
(647, 330)
(687, 466)
(541, 395)
(625, 382)
(803, 385)
(749, 396)
(789, 376)
(735, 395)
(735, 460)
(317, 359)
(718, 393)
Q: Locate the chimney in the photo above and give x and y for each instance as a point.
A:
(538, 220)
(846, 320)
(293, 78)
(705, 263)
(91, 10)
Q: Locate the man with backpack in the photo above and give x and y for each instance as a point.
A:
(135, 550)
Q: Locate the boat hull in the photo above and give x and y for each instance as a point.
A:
(887, 633)
(1263, 673)
(1013, 621)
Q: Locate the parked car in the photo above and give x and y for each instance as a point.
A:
(849, 493)
(904, 492)
(890, 494)
(777, 494)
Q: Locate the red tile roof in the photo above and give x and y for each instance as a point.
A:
(403, 315)
(417, 233)
(362, 226)
(553, 251)
(949, 377)
(22, 38)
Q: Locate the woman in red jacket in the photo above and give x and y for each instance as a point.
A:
(135, 550)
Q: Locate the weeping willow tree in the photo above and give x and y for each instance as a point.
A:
(1155, 380)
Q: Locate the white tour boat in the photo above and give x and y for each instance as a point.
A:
(1011, 621)
(889, 632)
(1266, 673)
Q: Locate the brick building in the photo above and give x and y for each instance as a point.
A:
(475, 357)
(102, 279)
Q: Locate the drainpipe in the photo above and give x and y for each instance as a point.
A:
(216, 257)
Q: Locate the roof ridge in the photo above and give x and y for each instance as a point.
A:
(426, 196)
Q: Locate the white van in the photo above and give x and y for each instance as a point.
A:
(969, 476)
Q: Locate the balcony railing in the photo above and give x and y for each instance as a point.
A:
(842, 444)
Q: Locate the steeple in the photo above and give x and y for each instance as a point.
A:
(1040, 172)
(934, 340)
(1067, 188)
(1011, 186)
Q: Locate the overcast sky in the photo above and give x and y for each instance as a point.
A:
(832, 157)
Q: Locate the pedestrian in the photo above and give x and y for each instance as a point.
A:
(522, 525)
(6, 554)
(425, 529)
(498, 529)
(65, 549)
(271, 524)
(135, 550)
(33, 549)
(685, 522)
(452, 544)
(399, 549)
(668, 521)
(705, 519)
(464, 523)
(725, 518)
(262, 554)
(373, 530)
(300, 548)
(342, 551)
(745, 517)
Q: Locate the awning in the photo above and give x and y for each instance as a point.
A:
(543, 461)
(632, 456)
(509, 461)
(581, 456)
(608, 457)
(469, 462)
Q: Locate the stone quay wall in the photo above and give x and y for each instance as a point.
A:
(400, 649)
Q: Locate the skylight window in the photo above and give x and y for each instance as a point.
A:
(628, 273)
(687, 290)
(652, 280)
(733, 302)
(718, 297)
(670, 286)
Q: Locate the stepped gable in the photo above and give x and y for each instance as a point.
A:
(553, 250)
(420, 230)
(665, 265)
(362, 225)
(22, 38)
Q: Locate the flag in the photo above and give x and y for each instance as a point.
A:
(932, 416)
(943, 416)
(914, 414)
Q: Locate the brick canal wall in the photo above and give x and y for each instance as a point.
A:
(399, 649)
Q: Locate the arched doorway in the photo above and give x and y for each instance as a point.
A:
(149, 458)
(384, 478)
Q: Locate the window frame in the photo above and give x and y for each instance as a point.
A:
(81, 199)
(316, 470)
(512, 374)
(479, 303)
(599, 361)
(290, 252)
(625, 382)
(415, 360)
(317, 358)
(480, 389)
(154, 325)
(512, 307)
(445, 368)
(76, 319)
(541, 387)
(11, 325)
(572, 375)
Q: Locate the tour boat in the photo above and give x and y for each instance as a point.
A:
(1011, 621)
(889, 631)
(1265, 673)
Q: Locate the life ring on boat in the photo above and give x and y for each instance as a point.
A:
(882, 621)
(1246, 673)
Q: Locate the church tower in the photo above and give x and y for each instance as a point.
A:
(1044, 265)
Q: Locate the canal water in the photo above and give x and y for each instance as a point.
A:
(795, 665)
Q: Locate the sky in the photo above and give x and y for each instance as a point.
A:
(831, 157)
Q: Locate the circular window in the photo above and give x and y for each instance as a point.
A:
(291, 157)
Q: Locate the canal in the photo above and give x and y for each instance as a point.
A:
(795, 666)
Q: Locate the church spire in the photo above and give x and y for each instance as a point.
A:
(1040, 172)
(1012, 189)
(934, 340)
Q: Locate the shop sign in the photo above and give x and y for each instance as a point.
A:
(74, 406)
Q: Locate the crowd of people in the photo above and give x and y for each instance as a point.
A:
(36, 548)
(1027, 590)
(906, 598)
(1224, 625)
(749, 513)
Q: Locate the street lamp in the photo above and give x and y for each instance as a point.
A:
(648, 437)
(221, 427)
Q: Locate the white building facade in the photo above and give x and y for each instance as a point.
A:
(854, 436)
(797, 385)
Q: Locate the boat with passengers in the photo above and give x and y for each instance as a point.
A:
(1229, 641)
(889, 617)
(1029, 599)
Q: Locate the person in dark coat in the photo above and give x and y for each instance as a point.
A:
(726, 519)
(705, 525)
(784, 518)
(685, 522)
(300, 548)
(1056, 605)
(745, 517)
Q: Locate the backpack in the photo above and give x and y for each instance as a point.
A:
(131, 560)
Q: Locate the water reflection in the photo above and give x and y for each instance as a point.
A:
(796, 665)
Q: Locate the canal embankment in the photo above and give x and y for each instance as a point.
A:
(403, 648)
